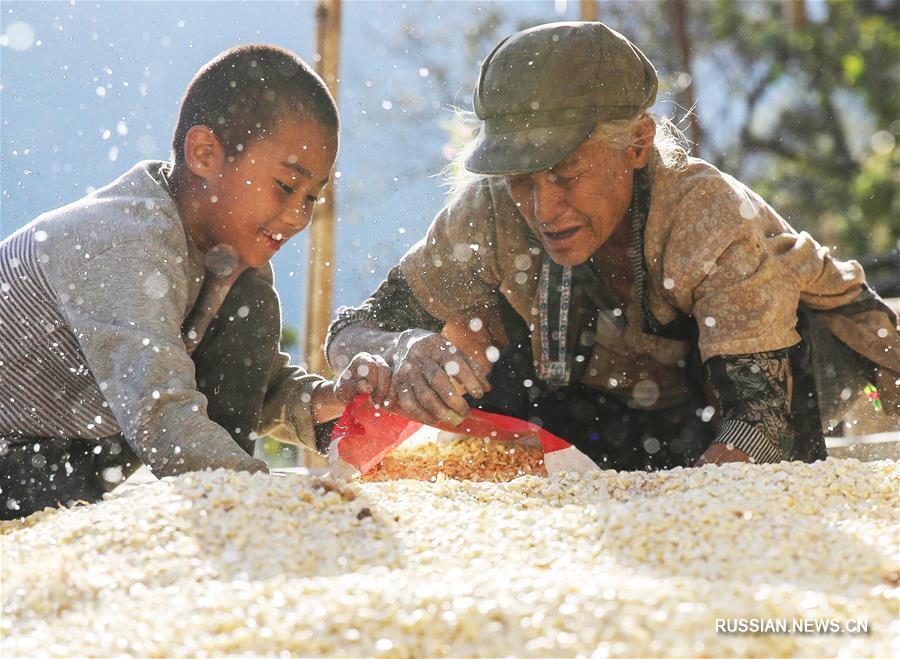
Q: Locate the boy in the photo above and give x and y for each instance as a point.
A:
(108, 355)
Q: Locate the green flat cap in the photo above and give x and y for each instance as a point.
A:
(541, 92)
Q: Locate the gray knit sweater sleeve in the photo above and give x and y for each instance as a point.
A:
(126, 311)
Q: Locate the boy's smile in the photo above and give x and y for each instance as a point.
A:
(258, 199)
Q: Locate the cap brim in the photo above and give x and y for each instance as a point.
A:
(525, 151)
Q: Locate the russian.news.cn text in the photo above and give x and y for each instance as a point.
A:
(791, 626)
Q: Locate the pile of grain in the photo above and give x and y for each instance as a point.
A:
(467, 458)
(626, 564)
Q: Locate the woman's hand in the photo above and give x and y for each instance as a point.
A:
(430, 377)
(719, 453)
(480, 334)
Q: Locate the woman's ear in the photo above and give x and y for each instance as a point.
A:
(203, 153)
(642, 146)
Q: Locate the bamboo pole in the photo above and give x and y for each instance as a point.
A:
(589, 10)
(320, 282)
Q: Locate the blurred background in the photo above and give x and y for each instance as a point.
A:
(797, 98)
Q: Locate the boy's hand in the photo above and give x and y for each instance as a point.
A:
(243, 463)
(366, 374)
(194, 456)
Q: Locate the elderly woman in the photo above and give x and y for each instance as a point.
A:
(593, 278)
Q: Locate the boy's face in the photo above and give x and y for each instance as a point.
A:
(263, 196)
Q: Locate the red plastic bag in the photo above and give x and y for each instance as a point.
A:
(364, 435)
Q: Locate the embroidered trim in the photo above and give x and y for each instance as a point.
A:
(556, 372)
(640, 205)
(683, 328)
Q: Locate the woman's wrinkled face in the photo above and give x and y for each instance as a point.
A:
(576, 205)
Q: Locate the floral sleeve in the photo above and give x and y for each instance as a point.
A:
(393, 307)
(753, 394)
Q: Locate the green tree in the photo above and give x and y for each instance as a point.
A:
(290, 339)
(822, 110)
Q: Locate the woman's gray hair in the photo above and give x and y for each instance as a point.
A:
(669, 143)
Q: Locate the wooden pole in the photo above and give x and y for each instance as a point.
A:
(589, 10)
(797, 13)
(320, 282)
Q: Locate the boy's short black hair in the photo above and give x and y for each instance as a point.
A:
(244, 92)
